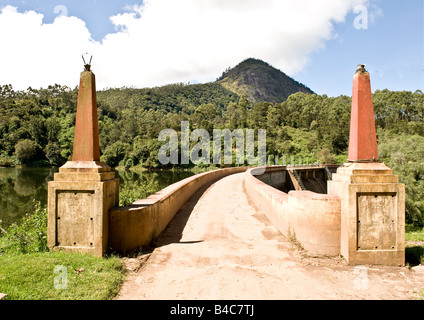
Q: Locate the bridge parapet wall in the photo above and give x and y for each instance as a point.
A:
(136, 225)
(312, 218)
(274, 177)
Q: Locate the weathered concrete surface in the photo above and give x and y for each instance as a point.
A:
(372, 214)
(219, 246)
(312, 218)
(137, 225)
(78, 206)
(275, 177)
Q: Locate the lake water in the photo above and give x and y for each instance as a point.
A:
(20, 186)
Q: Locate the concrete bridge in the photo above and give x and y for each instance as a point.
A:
(311, 217)
(220, 245)
(356, 210)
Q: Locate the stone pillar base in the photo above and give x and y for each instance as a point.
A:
(79, 200)
(372, 214)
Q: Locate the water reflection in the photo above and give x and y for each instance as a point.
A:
(18, 189)
(20, 186)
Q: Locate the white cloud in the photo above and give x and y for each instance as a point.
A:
(166, 41)
(37, 54)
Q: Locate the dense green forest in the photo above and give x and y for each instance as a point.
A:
(37, 126)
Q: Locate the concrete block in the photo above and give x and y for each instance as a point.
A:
(78, 206)
(372, 214)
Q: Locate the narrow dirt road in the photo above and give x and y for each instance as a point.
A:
(220, 247)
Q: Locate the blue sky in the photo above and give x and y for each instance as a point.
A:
(392, 48)
(95, 13)
(142, 46)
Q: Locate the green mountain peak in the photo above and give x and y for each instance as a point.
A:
(259, 82)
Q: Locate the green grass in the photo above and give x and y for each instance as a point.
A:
(32, 276)
(29, 272)
(414, 234)
(414, 252)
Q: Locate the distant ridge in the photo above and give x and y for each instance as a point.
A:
(260, 82)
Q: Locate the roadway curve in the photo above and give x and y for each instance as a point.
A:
(219, 246)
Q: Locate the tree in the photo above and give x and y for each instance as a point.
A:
(204, 117)
(326, 157)
(233, 115)
(53, 128)
(243, 106)
(115, 153)
(37, 129)
(26, 151)
(258, 118)
(274, 119)
(53, 154)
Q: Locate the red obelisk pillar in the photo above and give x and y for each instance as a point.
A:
(363, 138)
(372, 201)
(85, 188)
(86, 139)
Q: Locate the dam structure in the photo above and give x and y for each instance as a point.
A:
(355, 209)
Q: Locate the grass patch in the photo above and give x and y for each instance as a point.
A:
(32, 276)
(292, 238)
(29, 272)
(413, 233)
(414, 250)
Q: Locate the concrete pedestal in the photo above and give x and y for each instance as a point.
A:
(372, 214)
(79, 200)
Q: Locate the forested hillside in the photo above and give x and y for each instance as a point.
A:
(37, 126)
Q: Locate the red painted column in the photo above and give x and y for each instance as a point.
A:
(363, 137)
(86, 139)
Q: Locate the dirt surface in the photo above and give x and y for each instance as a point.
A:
(220, 247)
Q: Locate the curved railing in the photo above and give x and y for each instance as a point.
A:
(312, 218)
(135, 226)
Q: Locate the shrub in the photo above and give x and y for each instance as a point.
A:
(115, 153)
(26, 150)
(54, 154)
(133, 191)
(6, 162)
(29, 235)
(326, 157)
